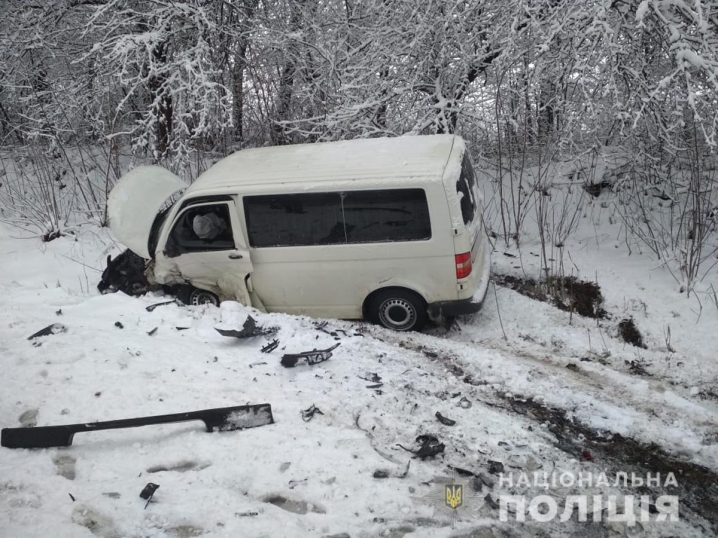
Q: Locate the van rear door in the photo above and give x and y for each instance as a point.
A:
(470, 242)
(470, 201)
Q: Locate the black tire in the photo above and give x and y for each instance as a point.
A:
(398, 309)
(195, 297)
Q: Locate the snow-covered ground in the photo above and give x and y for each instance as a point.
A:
(529, 386)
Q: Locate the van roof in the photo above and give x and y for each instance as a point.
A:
(400, 158)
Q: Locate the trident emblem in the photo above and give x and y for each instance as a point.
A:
(454, 495)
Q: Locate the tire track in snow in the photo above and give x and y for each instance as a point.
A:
(599, 397)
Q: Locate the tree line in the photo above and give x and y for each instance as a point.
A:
(522, 80)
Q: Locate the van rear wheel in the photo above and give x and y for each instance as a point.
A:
(397, 309)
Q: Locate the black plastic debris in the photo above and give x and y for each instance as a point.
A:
(119, 325)
(152, 307)
(290, 360)
(249, 329)
(445, 421)
(496, 467)
(55, 328)
(148, 492)
(222, 419)
(381, 474)
(271, 346)
(126, 273)
(152, 332)
(322, 327)
(430, 447)
(308, 414)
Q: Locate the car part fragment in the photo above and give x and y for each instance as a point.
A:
(430, 447)
(308, 414)
(223, 419)
(152, 307)
(55, 328)
(126, 273)
(148, 492)
(290, 360)
(444, 420)
(249, 330)
(271, 346)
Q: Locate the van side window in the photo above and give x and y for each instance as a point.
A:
(465, 190)
(386, 215)
(201, 229)
(292, 220)
(334, 218)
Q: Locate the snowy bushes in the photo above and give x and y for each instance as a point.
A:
(49, 189)
(529, 84)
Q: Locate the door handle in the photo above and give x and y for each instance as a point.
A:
(235, 256)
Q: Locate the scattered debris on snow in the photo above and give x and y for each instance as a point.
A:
(250, 329)
(148, 492)
(54, 328)
(444, 420)
(290, 360)
(308, 414)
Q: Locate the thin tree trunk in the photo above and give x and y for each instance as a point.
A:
(286, 80)
(164, 110)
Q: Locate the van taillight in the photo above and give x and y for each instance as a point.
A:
(463, 265)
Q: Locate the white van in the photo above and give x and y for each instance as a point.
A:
(387, 229)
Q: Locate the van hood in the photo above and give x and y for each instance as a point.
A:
(135, 201)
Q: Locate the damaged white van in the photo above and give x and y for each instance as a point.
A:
(386, 229)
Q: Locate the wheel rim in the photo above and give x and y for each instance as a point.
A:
(397, 314)
(200, 298)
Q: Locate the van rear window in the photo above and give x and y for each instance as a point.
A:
(465, 190)
(390, 215)
(334, 218)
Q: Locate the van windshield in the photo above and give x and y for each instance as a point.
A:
(465, 189)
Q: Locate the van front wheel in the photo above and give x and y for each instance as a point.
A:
(397, 309)
(190, 295)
